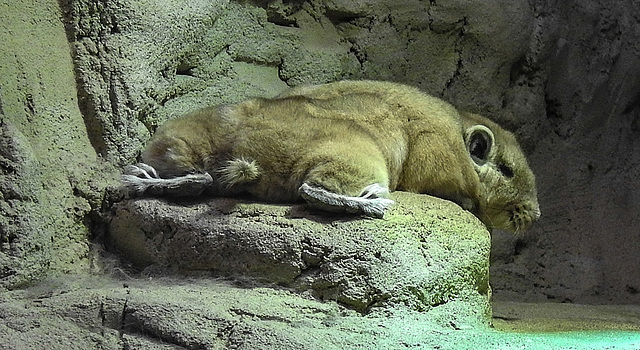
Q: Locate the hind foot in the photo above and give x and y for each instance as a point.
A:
(141, 170)
(370, 202)
(141, 179)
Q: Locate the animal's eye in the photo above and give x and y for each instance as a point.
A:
(505, 170)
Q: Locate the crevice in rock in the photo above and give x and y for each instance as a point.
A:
(123, 315)
(281, 13)
(262, 317)
(458, 49)
(186, 69)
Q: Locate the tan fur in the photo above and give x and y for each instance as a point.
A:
(344, 145)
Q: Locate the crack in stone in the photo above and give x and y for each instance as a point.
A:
(249, 314)
(123, 315)
(458, 50)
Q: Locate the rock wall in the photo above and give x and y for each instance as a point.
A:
(51, 181)
(586, 157)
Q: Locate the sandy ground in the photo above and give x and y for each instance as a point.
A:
(566, 326)
(555, 317)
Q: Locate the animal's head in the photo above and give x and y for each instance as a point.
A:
(510, 199)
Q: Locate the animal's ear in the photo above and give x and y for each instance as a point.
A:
(480, 144)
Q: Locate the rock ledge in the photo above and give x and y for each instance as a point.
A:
(425, 252)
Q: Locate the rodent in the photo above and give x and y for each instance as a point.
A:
(343, 147)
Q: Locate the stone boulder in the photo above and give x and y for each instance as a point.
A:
(425, 252)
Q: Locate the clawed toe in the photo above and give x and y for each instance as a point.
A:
(375, 191)
(141, 170)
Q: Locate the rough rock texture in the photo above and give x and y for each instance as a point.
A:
(139, 64)
(183, 314)
(48, 182)
(206, 315)
(425, 252)
(586, 157)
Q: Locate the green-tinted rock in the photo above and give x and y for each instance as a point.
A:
(425, 252)
(48, 176)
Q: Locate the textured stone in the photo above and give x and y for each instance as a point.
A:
(425, 252)
(48, 184)
(204, 314)
(583, 72)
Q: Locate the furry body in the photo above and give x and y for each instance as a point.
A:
(342, 147)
